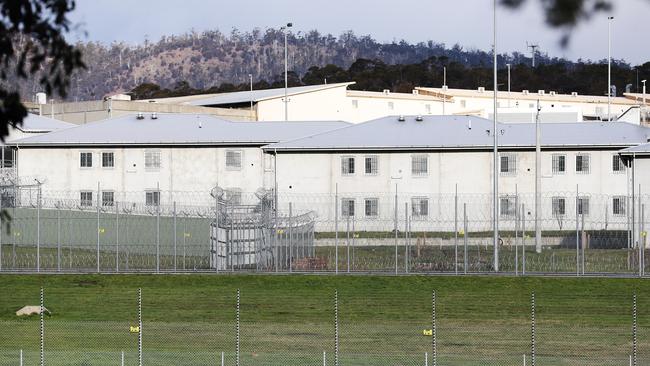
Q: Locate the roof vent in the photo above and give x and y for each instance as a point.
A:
(552, 93)
(416, 92)
(200, 124)
(154, 115)
(140, 115)
(469, 124)
(386, 91)
(419, 118)
(541, 92)
(401, 119)
(445, 87)
(481, 89)
(574, 94)
(525, 92)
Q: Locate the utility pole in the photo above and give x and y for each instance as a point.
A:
(285, 29)
(495, 201)
(609, 68)
(444, 88)
(508, 65)
(538, 181)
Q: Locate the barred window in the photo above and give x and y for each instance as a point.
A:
(419, 207)
(507, 206)
(617, 164)
(420, 165)
(233, 196)
(391, 105)
(347, 207)
(152, 198)
(108, 160)
(372, 164)
(233, 159)
(619, 205)
(152, 159)
(559, 206)
(355, 103)
(86, 159)
(583, 206)
(347, 165)
(508, 164)
(108, 198)
(559, 164)
(582, 163)
(86, 198)
(372, 207)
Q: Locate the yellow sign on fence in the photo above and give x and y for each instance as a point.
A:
(134, 329)
(427, 332)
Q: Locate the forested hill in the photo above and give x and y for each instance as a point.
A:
(204, 60)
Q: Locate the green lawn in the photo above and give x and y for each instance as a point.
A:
(289, 320)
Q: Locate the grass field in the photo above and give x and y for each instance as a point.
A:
(289, 320)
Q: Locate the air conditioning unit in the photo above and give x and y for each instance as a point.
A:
(481, 89)
(445, 87)
(574, 94)
(524, 92)
(541, 92)
(552, 93)
(416, 92)
(386, 91)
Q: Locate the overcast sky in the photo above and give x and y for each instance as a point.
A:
(467, 22)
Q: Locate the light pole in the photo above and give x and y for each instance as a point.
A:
(609, 68)
(286, 71)
(643, 82)
(250, 79)
(495, 173)
(508, 65)
(444, 88)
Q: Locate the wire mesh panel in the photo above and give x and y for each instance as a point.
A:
(19, 337)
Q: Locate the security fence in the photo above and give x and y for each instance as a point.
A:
(573, 232)
(332, 327)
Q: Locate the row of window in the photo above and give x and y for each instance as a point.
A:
(152, 159)
(507, 207)
(391, 106)
(508, 164)
(152, 198)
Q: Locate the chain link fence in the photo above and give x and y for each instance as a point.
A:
(329, 327)
(572, 232)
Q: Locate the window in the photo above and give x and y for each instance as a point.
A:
(233, 196)
(268, 162)
(372, 165)
(347, 207)
(420, 165)
(559, 206)
(372, 207)
(582, 163)
(152, 159)
(507, 206)
(618, 205)
(347, 165)
(108, 198)
(108, 160)
(355, 103)
(427, 108)
(8, 157)
(86, 159)
(508, 164)
(419, 207)
(599, 111)
(391, 105)
(233, 159)
(559, 164)
(152, 198)
(86, 198)
(617, 164)
(583, 206)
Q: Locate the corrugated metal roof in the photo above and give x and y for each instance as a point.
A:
(465, 132)
(259, 95)
(35, 123)
(178, 129)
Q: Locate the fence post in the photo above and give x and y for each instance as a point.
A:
(407, 237)
(434, 350)
(465, 237)
(456, 230)
(139, 326)
(216, 234)
(223, 359)
(158, 229)
(577, 233)
(122, 359)
(336, 229)
(532, 329)
(38, 229)
(117, 237)
(21, 357)
(324, 358)
(641, 242)
(237, 329)
(523, 239)
(336, 327)
(634, 331)
(58, 237)
(395, 224)
(291, 238)
(42, 327)
(176, 240)
(99, 203)
(353, 243)
(347, 241)
(426, 358)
